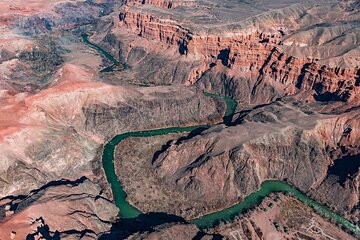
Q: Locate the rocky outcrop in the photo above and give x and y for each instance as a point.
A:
(157, 3)
(342, 180)
(279, 141)
(163, 107)
(60, 14)
(60, 209)
(255, 54)
(174, 231)
(58, 132)
(101, 112)
(165, 30)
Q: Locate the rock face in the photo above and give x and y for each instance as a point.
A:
(59, 209)
(144, 188)
(279, 141)
(153, 107)
(279, 51)
(176, 232)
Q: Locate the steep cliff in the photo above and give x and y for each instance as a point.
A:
(285, 51)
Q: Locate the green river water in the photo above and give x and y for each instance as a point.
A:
(126, 210)
(85, 38)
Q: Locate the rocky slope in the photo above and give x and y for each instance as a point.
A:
(71, 209)
(176, 232)
(29, 53)
(279, 141)
(173, 229)
(278, 51)
(256, 55)
(100, 111)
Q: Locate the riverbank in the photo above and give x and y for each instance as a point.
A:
(129, 211)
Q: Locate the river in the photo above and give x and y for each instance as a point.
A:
(209, 220)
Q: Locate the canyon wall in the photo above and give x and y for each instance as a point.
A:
(249, 51)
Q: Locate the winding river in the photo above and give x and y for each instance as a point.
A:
(85, 38)
(209, 220)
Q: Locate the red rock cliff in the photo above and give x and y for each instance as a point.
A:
(254, 51)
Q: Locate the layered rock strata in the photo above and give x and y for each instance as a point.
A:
(268, 57)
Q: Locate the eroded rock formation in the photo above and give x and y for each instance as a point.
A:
(59, 209)
(272, 56)
(279, 141)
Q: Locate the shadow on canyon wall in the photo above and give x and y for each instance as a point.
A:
(345, 167)
(124, 228)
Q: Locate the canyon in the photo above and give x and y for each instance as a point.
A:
(270, 57)
(291, 66)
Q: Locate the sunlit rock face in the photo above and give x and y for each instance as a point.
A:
(280, 48)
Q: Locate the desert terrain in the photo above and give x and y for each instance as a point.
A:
(105, 108)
